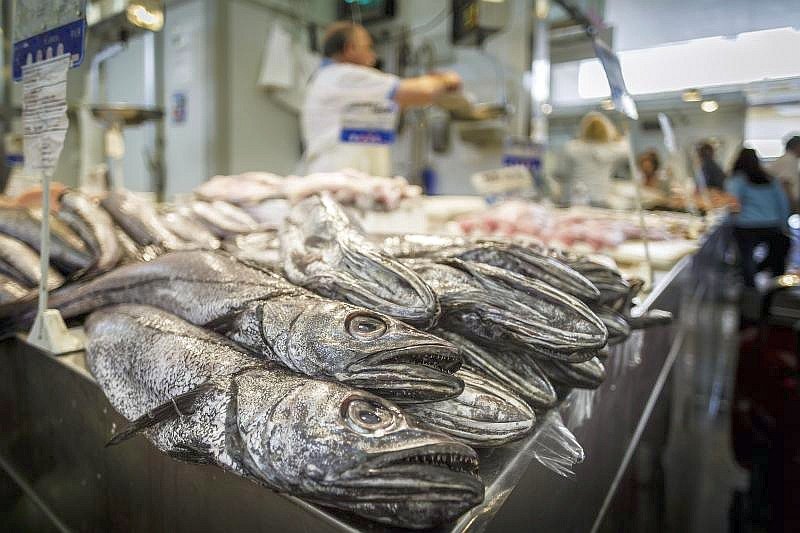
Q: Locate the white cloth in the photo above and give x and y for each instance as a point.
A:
(333, 88)
(787, 169)
(286, 67)
(592, 165)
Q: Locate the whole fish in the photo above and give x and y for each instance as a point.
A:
(491, 305)
(224, 220)
(262, 248)
(97, 228)
(618, 327)
(199, 400)
(586, 375)
(519, 259)
(132, 253)
(10, 290)
(19, 262)
(517, 372)
(324, 251)
(273, 319)
(62, 230)
(485, 414)
(181, 223)
(139, 219)
(22, 225)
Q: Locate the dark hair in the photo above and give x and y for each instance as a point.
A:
(793, 143)
(336, 38)
(748, 164)
(652, 155)
(705, 150)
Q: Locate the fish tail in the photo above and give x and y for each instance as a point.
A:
(18, 316)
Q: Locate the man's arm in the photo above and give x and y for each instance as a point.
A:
(423, 90)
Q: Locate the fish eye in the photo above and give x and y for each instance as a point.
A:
(364, 415)
(364, 326)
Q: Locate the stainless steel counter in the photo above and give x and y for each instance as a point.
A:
(55, 422)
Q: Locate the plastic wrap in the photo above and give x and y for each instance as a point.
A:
(625, 355)
(579, 406)
(555, 447)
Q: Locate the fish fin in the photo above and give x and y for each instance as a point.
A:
(191, 453)
(180, 405)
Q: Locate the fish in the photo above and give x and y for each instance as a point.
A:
(325, 252)
(586, 375)
(96, 228)
(22, 225)
(484, 415)
(181, 223)
(609, 282)
(516, 372)
(138, 218)
(493, 306)
(522, 260)
(223, 219)
(21, 263)
(617, 325)
(10, 290)
(262, 248)
(272, 319)
(198, 399)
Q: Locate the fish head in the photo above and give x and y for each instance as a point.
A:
(337, 446)
(326, 252)
(372, 351)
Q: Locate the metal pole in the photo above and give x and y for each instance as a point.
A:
(540, 73)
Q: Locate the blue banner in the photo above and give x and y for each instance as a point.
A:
(367, 136)
(68, 38)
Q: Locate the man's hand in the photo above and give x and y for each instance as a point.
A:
(452, 81)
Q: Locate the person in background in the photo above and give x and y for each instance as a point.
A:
(347, 76)
(762, 216)
(649, 165)
(590, 161)
(787, 169)
(713, 175)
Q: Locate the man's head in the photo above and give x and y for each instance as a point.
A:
(346, 42)
(793, 145)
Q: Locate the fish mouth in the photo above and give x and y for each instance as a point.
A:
(442, 473)
(412, 374)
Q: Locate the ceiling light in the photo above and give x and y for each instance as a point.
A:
(709, 106)
(691, 95)
(147, 14)
(607, 104)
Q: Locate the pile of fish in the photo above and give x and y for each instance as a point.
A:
(353, 371)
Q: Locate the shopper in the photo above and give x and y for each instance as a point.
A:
(713, 177)
(346, 78)
(590, 161)
(787, 169)
(649, 165)
(762, 216)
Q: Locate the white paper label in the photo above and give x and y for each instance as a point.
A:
(503, 180)
(44, 112)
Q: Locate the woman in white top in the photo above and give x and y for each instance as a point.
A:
(590, 160)
(346, 78)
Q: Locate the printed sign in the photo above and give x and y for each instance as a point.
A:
(44, 29)
(369, 123)
(503, 181)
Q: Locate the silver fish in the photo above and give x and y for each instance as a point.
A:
(20, 262)
(10, 290)
(198, 399)
(325, 252)
(97, 227)
(485, 415)
(586, 375)
(139, 219)
(508, 255)
(224, 220)
(517, 372)
(275, 320)
(491, 305)
(618, 327)
(22, 225)
(181, 223)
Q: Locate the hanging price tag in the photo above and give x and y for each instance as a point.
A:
(502, 181)
(369, 123)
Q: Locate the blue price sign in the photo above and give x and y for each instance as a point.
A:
(48, 28)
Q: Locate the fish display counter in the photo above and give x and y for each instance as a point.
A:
(57, 422)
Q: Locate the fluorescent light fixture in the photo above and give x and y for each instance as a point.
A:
(707, 62)
(147, 14)
(709, 106)
(691, 95)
